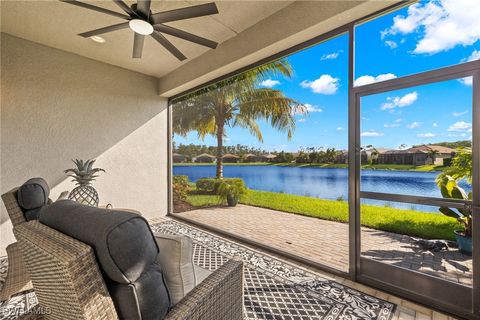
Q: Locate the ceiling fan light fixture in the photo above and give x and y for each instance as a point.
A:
(141, 27)
(98, 39)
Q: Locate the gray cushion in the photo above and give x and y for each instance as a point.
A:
(176, 259)
(126, 251)
(33, 194)
(32, 214)
(201, 274)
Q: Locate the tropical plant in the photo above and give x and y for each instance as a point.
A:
(231, 190)
(179, 188)
(461, 165)
(239, 101)
(83, 176)
(449, 188)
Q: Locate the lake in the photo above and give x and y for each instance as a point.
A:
(326, 183)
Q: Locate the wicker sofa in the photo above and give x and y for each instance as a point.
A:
(70, 283)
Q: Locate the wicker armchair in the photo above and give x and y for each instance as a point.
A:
(69, 284)
(17, 279)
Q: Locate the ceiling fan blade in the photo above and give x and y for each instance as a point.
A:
(143, 7)
(168, 45)
(138, 45)
(185, 13)
(125, 7)
(119, 26)
(185, 35)
(98, 9)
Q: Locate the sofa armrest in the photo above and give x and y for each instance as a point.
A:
(218, 297)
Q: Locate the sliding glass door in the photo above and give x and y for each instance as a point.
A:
(416, 227)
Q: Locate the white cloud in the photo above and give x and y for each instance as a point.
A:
(391, 125)
(302, 120)
(391, 44)
(269, 83)
(371, 134)
(363, 80)
(331, 56)
(460, 126)
(340, 129)
(406, 100)
(426, 135)
(399, 120)
(458, 135)
(468, 81)
(311, 108)
(474, 56)
(326, 84)
(434, 125)
(414, 125)
(442, 24)
(458, 114)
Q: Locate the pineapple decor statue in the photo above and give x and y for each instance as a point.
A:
(83, 175)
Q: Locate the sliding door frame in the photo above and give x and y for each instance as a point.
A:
(432, 291)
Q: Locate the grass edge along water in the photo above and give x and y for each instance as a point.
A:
(401, 221)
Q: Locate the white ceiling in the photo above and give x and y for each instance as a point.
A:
(56, 24)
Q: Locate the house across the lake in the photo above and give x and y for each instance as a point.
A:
(230, 158)
(250, 157)
(268, 157)
(178, 158)
(417, 156)
(204, 158)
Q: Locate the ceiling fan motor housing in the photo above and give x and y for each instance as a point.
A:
(142, 21)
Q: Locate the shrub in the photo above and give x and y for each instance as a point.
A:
(231, 190)
(207, 185)
(180, 188)
(211, 185)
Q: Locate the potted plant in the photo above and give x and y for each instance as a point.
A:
(450, 189)
(231, 191)
(460, 169)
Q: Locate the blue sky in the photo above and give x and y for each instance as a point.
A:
(421, 37)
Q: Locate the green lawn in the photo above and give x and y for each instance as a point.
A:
(408, 222)
(405, 167)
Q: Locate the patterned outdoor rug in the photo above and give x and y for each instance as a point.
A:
(274, 289)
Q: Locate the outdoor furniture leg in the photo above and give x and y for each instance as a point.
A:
(17, 279)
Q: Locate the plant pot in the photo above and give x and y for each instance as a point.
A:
(464, 242)
(232, 200)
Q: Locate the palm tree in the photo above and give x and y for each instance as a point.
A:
(239, 101)
(432, 154)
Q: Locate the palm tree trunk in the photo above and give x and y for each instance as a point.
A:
(219, 171)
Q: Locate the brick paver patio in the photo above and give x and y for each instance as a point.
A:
(326, 242)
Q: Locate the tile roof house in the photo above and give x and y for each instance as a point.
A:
(204, 158)
(230, 158)
(418, 156)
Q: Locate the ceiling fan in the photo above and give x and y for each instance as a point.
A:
(143, 22)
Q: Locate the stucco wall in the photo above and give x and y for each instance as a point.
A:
(56, 106)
